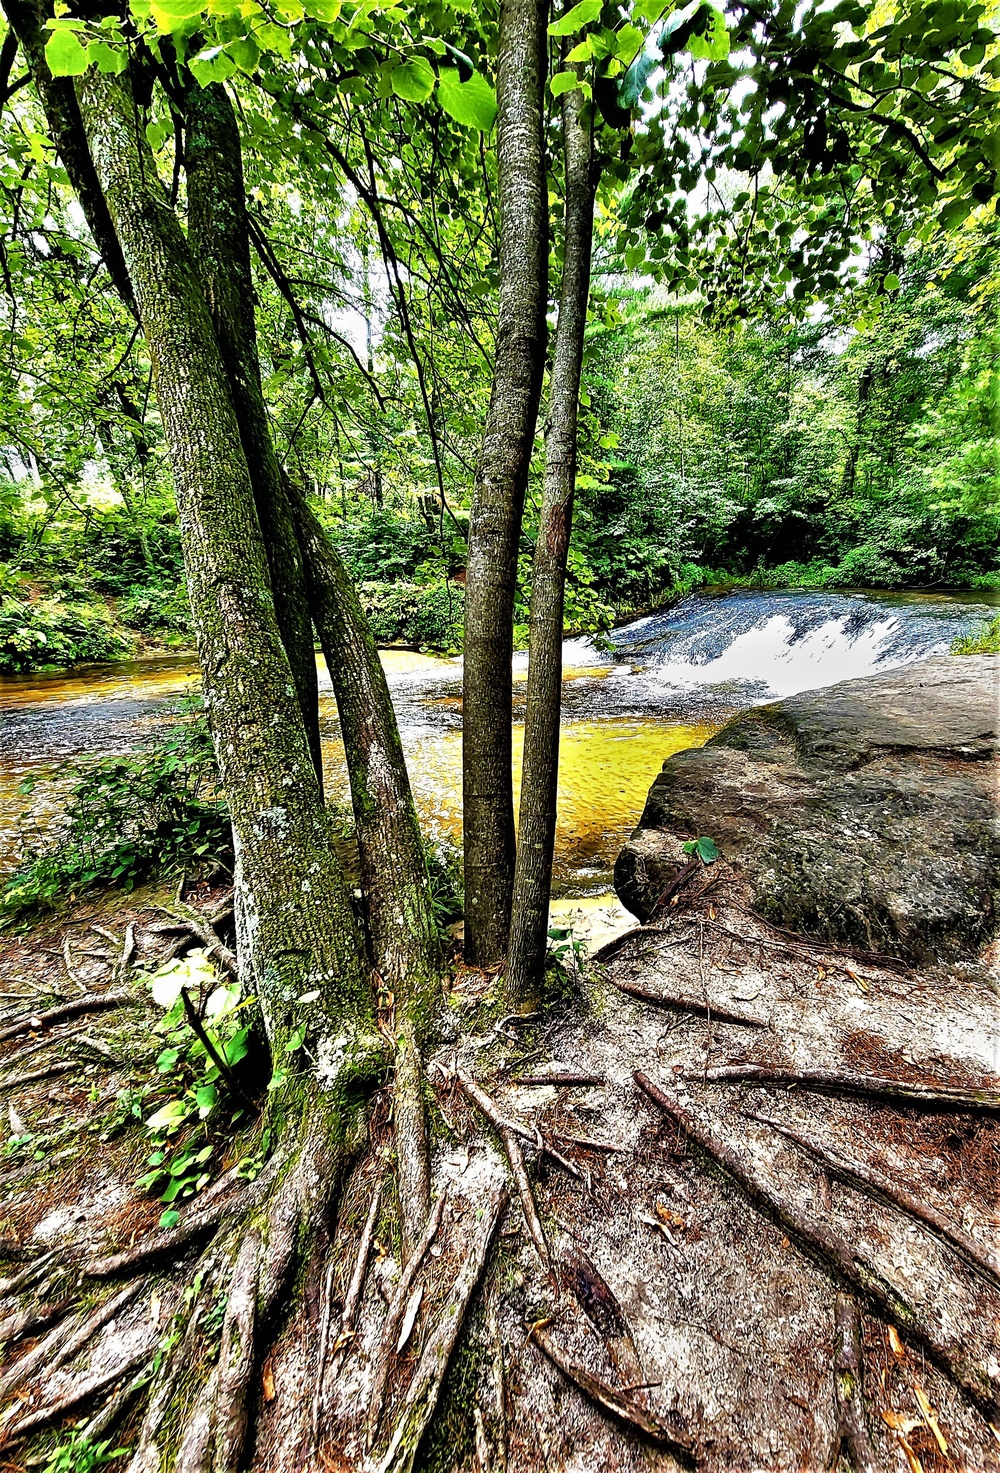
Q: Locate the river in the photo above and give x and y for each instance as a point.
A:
(662, 683)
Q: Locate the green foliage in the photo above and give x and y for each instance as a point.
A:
(129, 819)
(49, 635)
(425, 614)
(155, 610)
(75, 1453)
(983, 641)
(447, 883)
(201, 1108)
(705, 848)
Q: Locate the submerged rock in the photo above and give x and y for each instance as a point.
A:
(864, 813)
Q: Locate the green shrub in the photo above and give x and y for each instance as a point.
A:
(444, 871)
(982, 641)
(425, 614)
(129, 819)
(157, 610)
(48, 635)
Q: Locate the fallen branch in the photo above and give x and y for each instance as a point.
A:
(864, 1178)
(618, 1403)
(929, 1095)
(679, 878)
(848, 1380)
(394, 1318)
(821, 1243)
(425, 1387)
(94, 1002)
(700, 1009)
(614, 946)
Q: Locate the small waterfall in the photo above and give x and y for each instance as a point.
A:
(777, 644)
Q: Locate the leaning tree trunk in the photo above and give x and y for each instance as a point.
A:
(298, 933)
(394, 884)
(393, 871)
(220, 244)
(501, 480)
(536, 837)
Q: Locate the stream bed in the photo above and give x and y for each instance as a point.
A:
(659, 684)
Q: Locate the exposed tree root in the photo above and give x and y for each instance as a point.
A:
(509, 1132)
(29, 1322)
(410, 1132)
(848, 1380)
(864, 1178)
(35, 1076)
(560, 1080)
(810, 945)
(203, 928)
(352, 1304)
(165, 1245)
(611, 948)
(80, 1392)
(94, 1002)
(700, 1009)
(63, 1343)
(820, 1242)
(618, 1404)
(425, 1387)
(19, 1280)
(394, 1319)
(929, 1095)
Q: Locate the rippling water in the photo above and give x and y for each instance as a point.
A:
(662, 683)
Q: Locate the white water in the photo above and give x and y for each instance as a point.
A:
(770, 654)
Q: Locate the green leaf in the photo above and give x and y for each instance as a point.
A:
(711, 42)
(211, 66)
(706, 849)
(583, 51)
(170, 15)
(676, 19)
(238, 1047)
(563, 82)
(170, 1219)
(574, 20)
(170, 1114)
(113, 59)
(891, 282)
(325, 10)
(157, 134)
(297, 1039)
(413, 81)
(628, 42)
(64, 55)
(246, 54)
(472, 103)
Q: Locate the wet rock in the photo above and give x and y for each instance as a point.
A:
(864, 813)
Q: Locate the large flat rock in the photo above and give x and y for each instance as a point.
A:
(865, 813)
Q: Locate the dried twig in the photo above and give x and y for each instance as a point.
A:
(820, 1242)
(865, 1178)
(50, 1071)
(71, 970)
(688, 1005)
(848, 1380)
(618, 1403)
(927, 1095)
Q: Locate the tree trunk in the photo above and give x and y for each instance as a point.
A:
(220, 244)
(394, 883)
(501, 480)
(536, 837)
(298, 933)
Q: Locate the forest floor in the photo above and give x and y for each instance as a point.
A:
(675, 1278)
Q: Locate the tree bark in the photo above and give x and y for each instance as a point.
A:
(540, 770)
(394, 883)
(298, 933)
(220, 244)
(501, 480)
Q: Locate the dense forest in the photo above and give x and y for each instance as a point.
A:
(850, 443)
(462, 326)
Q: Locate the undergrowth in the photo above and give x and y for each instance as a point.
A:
(128, 819)
(982, 641)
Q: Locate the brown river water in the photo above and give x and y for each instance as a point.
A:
(671, 680)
